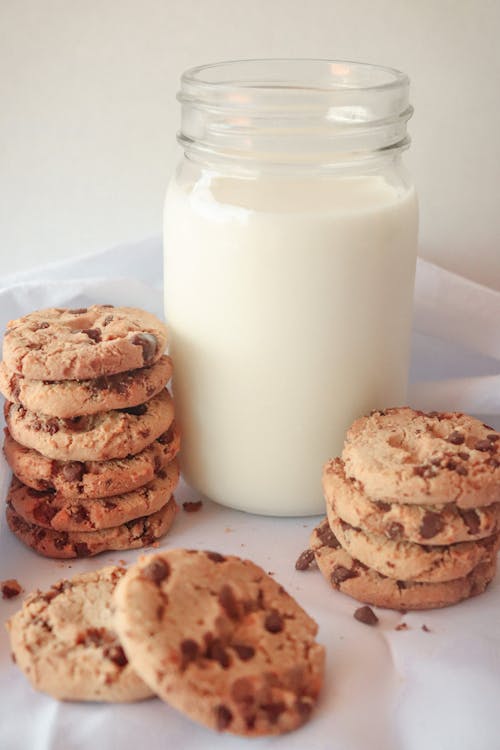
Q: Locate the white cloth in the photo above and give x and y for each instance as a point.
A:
(384, 689)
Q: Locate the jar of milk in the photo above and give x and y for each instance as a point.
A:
(290, 246)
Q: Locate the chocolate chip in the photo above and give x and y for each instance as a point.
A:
(303, 707)
(76, 311)
(382, 506)
(426, 629)
(192, 506)
(44, 513)
(107, 320)
(482, 445)
(493, 437)
(167, 436)
(73, 471)
(493, 462)
(223, 717)
(136, 411)
(304, 560)
(189, 651)
(94, 334)
(81, 549)
(218, 653)
(149, 344)
(327, 537)
(401, 626)
(215, 556)
(229, 603)
(274, 622)
(273, 711)
(401, 585)
(117, 655)
(61, 540)
(157, 570)
(341, 574)
(366, 615)
(40, 326)
(91, 636)
(10, 589)
(51, 426)
(244, 652)
(80, 514)
(76, 424)
(462, 470)
(471, 520)
(451, 464)
(432, 524)
(395, 530)
(456, 438)
(424, 471)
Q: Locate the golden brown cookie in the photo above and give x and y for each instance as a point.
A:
(62, 514)
(406, 456)
(91, 479)
(423, 524)
(83, 343)
(74, 398)
(351, 577)
(221, 641)
(407, 561)
(140, 532)
(96, 437)
(64, 641)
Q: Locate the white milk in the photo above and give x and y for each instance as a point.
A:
(289, 308)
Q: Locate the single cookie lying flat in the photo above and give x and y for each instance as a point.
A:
(91, 479)
(96, 437)
(423, 524)
(407, 561)
(351, 577)
(141, 532)
(52, 512)
(221, 641)
(84, 343)
(406, 456)
(65, 643)
(74, 398)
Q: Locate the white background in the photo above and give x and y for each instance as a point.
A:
(88, 112)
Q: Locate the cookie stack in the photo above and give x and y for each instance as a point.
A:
(413, 510)
(90, 431)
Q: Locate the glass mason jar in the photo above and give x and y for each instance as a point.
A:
(290, 246)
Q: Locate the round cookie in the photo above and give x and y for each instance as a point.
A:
(423, 524)
(74, 398)
(91, 479)
(221, 641)
(141, 532)
(407, 561)
(47, 510)
(351, 577)
(65, 643)
(407, 456)
(83, 343)
(96, 437)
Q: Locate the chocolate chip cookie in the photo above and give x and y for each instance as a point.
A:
(74, 398)
(221, 641)
(64, 641)
(140, 532)
(83, 343)
(352, 577)
(96, 437)
(406, 456)
(423, 524)
(46, 509)
(91, 479)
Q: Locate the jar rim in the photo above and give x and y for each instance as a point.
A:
(341, 75)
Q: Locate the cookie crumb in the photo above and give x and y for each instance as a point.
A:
(401, 626)
(10, 588)
(366, 615)
(426, 629)
(304, 560)
(192, 506)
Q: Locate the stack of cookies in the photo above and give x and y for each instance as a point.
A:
(413, 510)
(90, 431)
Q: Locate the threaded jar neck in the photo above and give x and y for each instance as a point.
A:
(299, 112)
